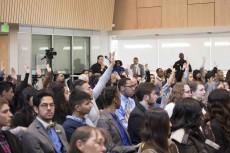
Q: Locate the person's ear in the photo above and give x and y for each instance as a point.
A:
(77, 108)
(79, 145)
(35, 109)
(146, 97)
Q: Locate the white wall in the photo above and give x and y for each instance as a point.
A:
(163, 51)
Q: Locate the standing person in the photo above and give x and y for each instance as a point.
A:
(9, 143)
(137, 69)
(179, 66)
(99, 67)
(43, 135)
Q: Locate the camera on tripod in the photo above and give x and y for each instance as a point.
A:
(50, 53)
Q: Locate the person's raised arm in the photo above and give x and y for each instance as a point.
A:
(104, 78)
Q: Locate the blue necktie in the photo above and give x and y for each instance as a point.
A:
(55, 140)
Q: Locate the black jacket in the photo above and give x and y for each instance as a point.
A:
(13, 141)
(135, 123)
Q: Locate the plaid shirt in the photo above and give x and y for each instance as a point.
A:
(4, 144)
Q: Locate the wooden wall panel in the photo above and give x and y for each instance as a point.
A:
(201, 15)
(222, 12)
(200, 1)
(4, 39)
(149, 18)
(84, 14)
(174, 13)
(149, 3)
(125, 14)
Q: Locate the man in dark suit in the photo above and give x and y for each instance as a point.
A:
(99, 67)
(146, 94)
(9, 143)
(137, 69)
(179, 67)
(44, 136)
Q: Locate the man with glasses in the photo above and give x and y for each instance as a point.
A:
(43, 135)
(126, 87)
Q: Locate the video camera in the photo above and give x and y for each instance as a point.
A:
(50, 53)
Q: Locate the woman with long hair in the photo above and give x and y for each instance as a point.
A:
(219, 111)
(155, 132)
(180, 90)
(61, 100)
(186, 123)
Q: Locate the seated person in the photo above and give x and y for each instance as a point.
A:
(9, 143)
(87, 139)
(81, 104)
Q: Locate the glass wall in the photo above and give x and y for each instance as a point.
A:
(39, 44)
(163, 52)
(62, 61)
(73, 53)
(80, 54)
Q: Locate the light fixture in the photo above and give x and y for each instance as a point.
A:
(43, 48)
(138, 46)
(174, 45)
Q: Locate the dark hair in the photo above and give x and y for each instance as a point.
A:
(219, 106)
(186, 114)
(77, 97)
(144, 89)
(27, 93)
(195, 72)
(99, 56)
(158, 69)
(5, 86)
(122, 82)
(227, 78)
(109, 94)
(208, 75)
(155, 129)
(41, 93)
(118, 61)
(61, 105)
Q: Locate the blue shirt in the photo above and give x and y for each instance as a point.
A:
(122, 132)
(125, 102)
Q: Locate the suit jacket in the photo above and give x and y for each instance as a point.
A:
(13, 141)
(141, 67)
(36, 139)
(135, 122)
(114, 143)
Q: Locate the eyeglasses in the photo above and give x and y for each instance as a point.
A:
(47, 105)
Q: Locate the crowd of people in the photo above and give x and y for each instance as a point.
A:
(112, 109)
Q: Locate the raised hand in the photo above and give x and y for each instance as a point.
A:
(48, 68)
(112, 57)
(13, 73)
(27, 68)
